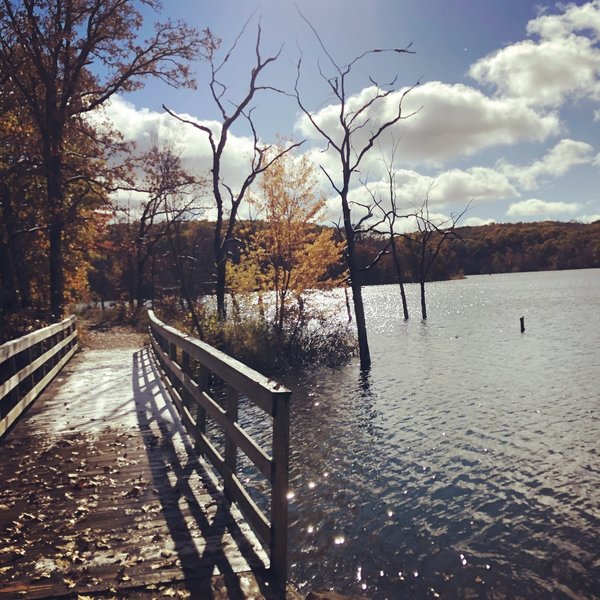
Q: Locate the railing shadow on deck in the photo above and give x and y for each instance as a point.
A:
(173, 474)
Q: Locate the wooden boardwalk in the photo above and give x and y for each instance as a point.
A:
(101, 492)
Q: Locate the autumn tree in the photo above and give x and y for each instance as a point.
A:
(170, 194)
(65, 60)
(24, 242)
(354, 136)
(233, 111)
(18, 218)
(288, 253)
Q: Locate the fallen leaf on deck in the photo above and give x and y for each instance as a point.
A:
(122, 575)
(70, 583)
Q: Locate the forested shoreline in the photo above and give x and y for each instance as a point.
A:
(486, 249)
(496, 248)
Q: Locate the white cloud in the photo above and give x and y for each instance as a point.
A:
(574, 18)
(477, 222)
(454, 187)
(557, 161)
(536, 208)
(452, 190)
(588, 218)
(597, 115)
(454, 120)
(561, 64)
(477, 183)
(140, 124)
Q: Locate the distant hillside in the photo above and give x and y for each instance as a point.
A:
(497, 248)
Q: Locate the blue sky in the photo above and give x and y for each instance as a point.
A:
(508, 101)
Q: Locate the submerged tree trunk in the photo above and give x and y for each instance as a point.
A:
(423, 303)
(361, 325)
(398, 268)
(355, 283)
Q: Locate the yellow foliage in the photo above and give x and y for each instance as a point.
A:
(287, 252)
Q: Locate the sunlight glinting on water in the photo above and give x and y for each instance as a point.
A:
(467, 456)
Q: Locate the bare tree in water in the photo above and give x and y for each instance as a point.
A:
(383, 220)
(352, 123)
(427, 242)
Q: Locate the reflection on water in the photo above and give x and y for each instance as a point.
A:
(465, 464)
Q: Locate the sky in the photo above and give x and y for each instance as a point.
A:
(506, 116)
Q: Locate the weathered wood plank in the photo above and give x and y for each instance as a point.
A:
(13, 347)
(233, 431)
(246, 380)
(25, 401)
(26, 371)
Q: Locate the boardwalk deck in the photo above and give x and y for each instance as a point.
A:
(100, 489)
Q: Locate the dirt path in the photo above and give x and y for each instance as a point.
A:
(106, 336)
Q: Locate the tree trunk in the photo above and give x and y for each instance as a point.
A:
(139, 284)
(398, 268)
(361, 325)
(57, 276)
(355, 284)
(221, 268)
(423, 304)
(54, 188)
(176, 251)
(8, 290)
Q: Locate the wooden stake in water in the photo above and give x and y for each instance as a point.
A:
(522, 324)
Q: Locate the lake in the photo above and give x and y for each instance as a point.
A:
(466, 463)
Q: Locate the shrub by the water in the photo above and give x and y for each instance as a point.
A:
(309, 339)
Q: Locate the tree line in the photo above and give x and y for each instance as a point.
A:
(488, 249)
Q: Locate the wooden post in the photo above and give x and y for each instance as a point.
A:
(186, 367)
(203, 382)
(28, 383)
(232, 414)
(13, 395)
(279, 491)
(173, 356)
(522, 324)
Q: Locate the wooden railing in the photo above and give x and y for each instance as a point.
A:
(188, 364)
(29, 363)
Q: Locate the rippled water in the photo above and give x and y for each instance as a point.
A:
(466, 463)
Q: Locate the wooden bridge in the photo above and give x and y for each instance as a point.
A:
(133, 474)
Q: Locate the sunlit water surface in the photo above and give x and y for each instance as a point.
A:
(466, 463)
